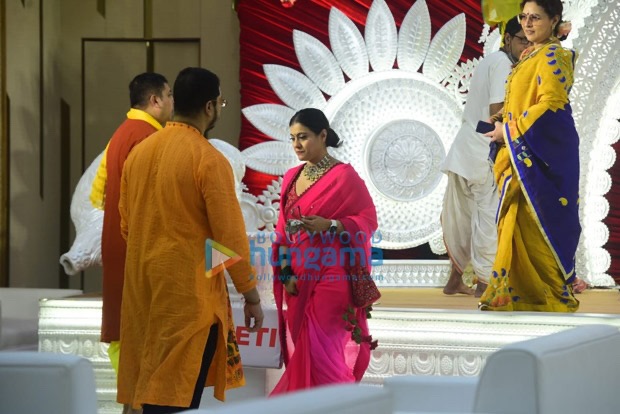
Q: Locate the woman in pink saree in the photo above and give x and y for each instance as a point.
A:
(327, 219)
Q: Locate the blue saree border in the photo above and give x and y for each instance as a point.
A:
(546, 161)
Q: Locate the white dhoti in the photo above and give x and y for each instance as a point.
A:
(468, 222)
(470, 203)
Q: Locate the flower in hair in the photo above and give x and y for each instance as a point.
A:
(564, 29)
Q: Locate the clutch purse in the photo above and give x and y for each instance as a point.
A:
(363, 287)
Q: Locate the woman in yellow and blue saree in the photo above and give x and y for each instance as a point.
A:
(537, 172)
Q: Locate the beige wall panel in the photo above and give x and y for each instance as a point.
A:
(34, 222)
(220, 54)
(109, 67)
(81, 19)
(4, 157)
(170, 58)
(2, 72)
(177, 18)
(29, 255)
(124, 18)
(51, 136)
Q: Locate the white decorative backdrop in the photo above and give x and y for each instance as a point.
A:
(398, 124)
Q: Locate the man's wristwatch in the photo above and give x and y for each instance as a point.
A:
(333, 227)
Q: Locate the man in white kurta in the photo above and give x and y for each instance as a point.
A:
(470, 202)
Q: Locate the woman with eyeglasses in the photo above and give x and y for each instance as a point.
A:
(537, 172)
(327, 219)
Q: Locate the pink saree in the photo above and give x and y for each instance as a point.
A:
(317, 347)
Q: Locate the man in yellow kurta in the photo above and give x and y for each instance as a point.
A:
(177, 191)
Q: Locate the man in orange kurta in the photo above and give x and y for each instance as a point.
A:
(176, 325)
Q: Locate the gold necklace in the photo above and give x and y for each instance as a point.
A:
(314, 172)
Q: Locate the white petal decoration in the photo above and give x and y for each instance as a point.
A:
(273, 157)
(600, 260)
(445, 49)
(234, 157)
(347, 44)
(88, 221)
(601, 279)
(492, 43)
(249, 209)
(597, 235)
(318, 62)
(604, 156)
(596, 209)
(270, 119)
(457, 82)
(609, 132)
(414, 37)
(437, 244)
(294, 88)
(599, 183)
(381, 37)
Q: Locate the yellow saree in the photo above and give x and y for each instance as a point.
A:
(537, 172)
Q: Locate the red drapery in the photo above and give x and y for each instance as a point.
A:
(267, 38)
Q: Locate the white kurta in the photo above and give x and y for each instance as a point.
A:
(470, 203)
(468, 155)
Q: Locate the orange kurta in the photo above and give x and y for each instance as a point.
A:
(129, 134)
(177, 191)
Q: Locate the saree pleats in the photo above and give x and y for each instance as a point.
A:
(522, 251)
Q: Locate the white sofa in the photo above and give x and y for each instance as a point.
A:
(338, 399)
(19, 316)
(572, 371)
(33, 382)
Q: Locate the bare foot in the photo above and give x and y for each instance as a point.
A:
(579, 285)
(455, 284)
(480, 288)
(459, 287)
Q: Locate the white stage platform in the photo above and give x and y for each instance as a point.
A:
(411, 341)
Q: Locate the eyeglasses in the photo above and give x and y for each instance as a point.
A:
(522, 39)
(534, 18)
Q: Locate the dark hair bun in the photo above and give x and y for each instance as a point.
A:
(332, 140)
(315, 120)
